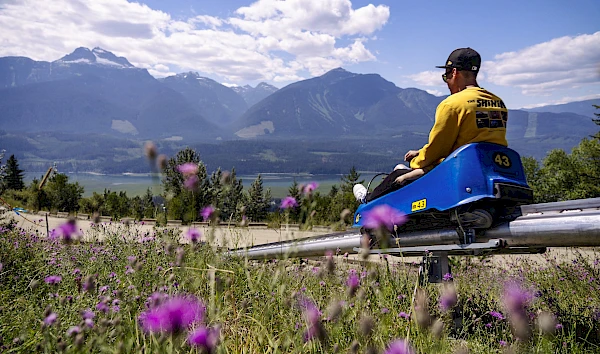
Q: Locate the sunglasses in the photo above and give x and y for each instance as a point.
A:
(446, 76)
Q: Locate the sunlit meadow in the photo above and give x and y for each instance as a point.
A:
(150, 292)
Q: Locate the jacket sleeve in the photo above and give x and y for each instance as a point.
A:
(441, 138)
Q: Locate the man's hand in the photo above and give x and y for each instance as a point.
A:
(411, 155)
(400, 180)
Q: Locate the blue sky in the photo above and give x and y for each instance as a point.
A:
(534, 52)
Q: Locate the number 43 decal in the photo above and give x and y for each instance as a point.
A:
(502, 160)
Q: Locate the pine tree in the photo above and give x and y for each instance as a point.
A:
(346, 198)
(597, 121)
(232, 197)
(257, 200)
(295, 192)
(14, 175)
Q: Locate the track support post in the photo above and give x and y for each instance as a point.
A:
(434, 266)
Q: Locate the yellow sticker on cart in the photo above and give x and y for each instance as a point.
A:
(419, 205)
(502, 160)
(357, 219)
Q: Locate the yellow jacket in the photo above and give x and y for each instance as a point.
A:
(469, 116)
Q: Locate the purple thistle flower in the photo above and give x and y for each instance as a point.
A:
(447, 277)
(403, 315)
(288, 202)
(207, 212)
(516, 298)
(204, 338)
(50, 319)
(131, 259)
(352, 282)
(383, 216)
(385, 310)
(310, 187)
(87, 314)
(559, 326)
(449, 298)
(89, 322)
(188, 169)
(73, 330)
(174, 315)
(503, 343)
(102, 307)
(67, 232)
(193, 234)
(497, 315)
(399, 346)
(191, 183)
(53, 279)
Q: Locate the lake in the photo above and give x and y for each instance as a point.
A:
(136, 184)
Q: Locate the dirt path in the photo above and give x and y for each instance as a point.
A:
(233, 237)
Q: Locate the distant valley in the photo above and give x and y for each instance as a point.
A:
(91, 111)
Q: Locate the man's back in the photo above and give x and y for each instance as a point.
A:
(469, 116)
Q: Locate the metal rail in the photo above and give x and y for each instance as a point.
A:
(563, 224)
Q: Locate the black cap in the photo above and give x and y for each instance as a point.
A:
(463, 59)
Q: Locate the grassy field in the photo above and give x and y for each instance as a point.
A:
(148, 293)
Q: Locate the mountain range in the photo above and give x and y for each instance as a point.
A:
(96, 92)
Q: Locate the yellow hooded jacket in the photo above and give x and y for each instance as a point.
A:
(469, 116)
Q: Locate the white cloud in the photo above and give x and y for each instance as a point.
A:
(428, 78)
(269, 40)
(561, 63)
(435, 92)
(564, 100)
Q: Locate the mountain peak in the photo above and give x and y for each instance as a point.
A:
(96, 56)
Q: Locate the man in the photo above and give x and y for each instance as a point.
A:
(470, 114)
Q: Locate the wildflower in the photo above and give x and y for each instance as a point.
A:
(161, 161)
(310, 187)
(89, 322)
(447, 277)
(174, 315)
(102, 307)
(448, 299)
(131, 259)
(288, 202)
(50, 319)
(383, 216)
(188, 169)
(76, 271)
(503, 343)
(516, 299)
(53, 279)
(313, 318)
(334, 310)
(497, 315)
(423, 317)
(352, 282)
(403, 315)
(207, 212)
(89, 284)
(400, 346)
(67, 232)
(150, 150)
(73, 330)
(193, 235)
(385, 310)
(191, 183)
(205, 339)
(366, 325)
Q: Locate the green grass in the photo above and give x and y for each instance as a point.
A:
(259, 305)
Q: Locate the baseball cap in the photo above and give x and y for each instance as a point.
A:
(463, 59)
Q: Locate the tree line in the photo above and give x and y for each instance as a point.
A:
(559, 176)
